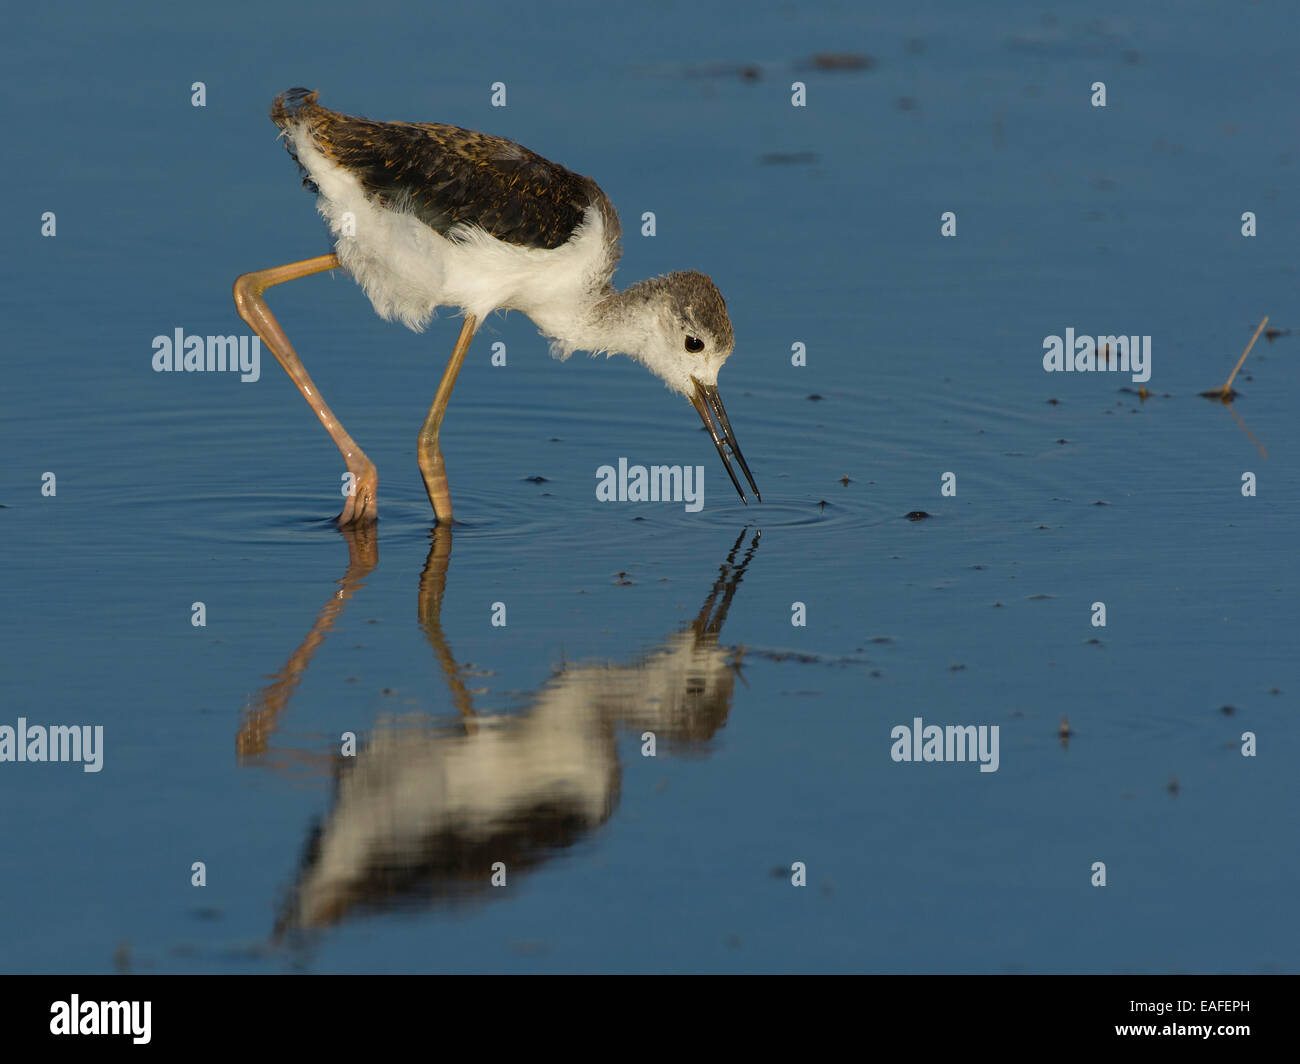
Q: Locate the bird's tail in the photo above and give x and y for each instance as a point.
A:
(292, 107)
(290, 110)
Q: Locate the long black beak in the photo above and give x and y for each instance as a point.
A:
(709, 404)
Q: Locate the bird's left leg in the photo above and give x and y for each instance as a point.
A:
(361, 505)
(432, 467)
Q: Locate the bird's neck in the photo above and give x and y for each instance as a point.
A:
(613, 323)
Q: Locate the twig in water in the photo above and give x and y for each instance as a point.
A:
(1226, 394)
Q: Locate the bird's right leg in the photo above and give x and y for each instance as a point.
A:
(428, 452)
(362, 502)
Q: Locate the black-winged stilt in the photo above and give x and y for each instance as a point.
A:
(426, 215)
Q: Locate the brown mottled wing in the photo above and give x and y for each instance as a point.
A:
(448, 176)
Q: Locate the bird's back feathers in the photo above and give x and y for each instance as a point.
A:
(448, 176)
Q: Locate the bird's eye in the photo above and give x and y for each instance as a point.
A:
(694, 345)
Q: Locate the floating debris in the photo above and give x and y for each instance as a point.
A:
(788, 158)
(916, 515)
(744, 71)
(800, 657)
(841, 61)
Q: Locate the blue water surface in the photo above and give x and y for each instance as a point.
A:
(525, 742)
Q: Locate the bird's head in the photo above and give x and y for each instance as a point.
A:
(684, 337)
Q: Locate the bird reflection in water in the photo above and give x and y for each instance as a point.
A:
(422, 814)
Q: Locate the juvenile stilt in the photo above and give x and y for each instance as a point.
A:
(362, 504)
(432, 467)
(426, 215)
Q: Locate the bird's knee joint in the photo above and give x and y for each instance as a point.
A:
(246, 290)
